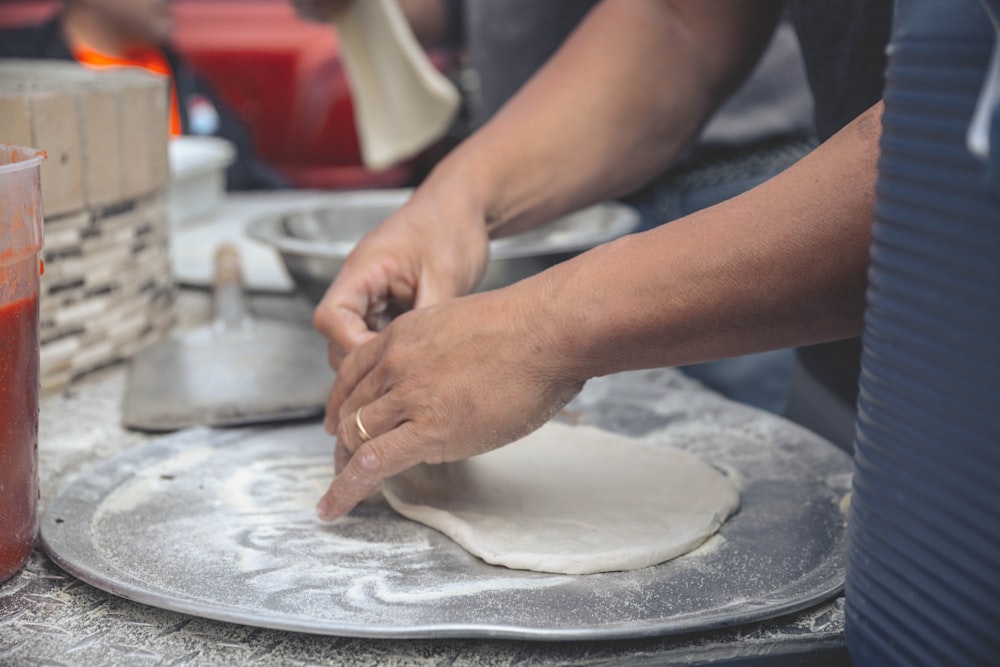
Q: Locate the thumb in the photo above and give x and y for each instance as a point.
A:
(342, 325)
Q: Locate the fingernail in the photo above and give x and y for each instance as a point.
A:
(321, 511)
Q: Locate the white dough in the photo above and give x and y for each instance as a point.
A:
(571, 500)
(402, 104)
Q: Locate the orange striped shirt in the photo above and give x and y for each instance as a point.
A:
(148, 59)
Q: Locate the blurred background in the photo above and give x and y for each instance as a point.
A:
(283, 77)
(263, 134)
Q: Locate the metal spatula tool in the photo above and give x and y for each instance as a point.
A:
(237, 370)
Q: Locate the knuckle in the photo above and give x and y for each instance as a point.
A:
(369, 462)
(388, 365)
(362, 473)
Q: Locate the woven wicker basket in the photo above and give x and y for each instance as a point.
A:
(107, 288)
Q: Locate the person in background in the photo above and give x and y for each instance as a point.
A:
(761, 129)
(102, 34)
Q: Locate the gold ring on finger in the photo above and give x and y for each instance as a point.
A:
(362, 431)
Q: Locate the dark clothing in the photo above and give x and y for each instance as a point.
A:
(201, 111)
(506, 42)
(843, 44)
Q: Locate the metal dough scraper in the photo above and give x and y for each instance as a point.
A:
(237, 370)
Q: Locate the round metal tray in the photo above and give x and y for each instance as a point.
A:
(220, 524)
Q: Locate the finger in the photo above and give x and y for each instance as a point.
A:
(358, 426)
(336, 350)
(340, 314)
(342, 325)
(335, 355)
(375, 461)
(353, 370)
(341, 456)
(352, 432)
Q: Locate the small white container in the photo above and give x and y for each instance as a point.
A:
(197, 177)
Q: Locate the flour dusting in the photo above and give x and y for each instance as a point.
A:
(221, 523)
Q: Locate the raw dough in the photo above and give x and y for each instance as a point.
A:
(570, 499)
(402, 104)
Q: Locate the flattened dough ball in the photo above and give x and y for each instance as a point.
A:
(570, 500)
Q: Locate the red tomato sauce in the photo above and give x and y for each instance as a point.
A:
(18, 432)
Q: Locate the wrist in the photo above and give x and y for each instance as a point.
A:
(568, 326)
(465, 179)
(446, 221)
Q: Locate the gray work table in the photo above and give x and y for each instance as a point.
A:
(50, 618)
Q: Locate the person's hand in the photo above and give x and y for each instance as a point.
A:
(441, 384)
(432, 249)
(320, 10)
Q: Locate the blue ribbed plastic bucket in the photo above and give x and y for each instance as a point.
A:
(923, 581)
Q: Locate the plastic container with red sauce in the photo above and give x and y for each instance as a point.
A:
(20, 270)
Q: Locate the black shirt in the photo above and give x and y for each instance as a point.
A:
(844, 48)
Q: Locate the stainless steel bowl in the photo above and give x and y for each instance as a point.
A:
(313, 243)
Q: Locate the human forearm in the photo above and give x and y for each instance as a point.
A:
(782, 265)
(629, 89)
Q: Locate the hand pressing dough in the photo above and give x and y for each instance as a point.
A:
(571, 500)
